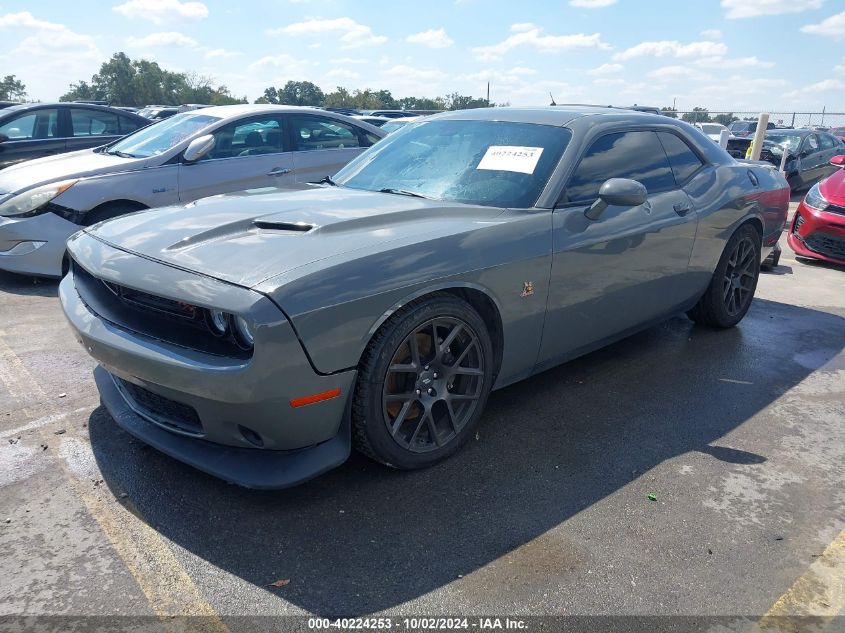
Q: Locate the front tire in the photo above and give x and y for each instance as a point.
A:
(423, 382)
(729, 295)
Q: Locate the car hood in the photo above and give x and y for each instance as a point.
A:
(249, 237)
(40, 171)
(832, 188)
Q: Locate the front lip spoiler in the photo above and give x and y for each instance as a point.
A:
(247, 467)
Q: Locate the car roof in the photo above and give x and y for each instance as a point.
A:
(258, 108)
(549, 115)
(66, 104)
(790, 132)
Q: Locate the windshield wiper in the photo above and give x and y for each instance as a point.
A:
(121, 154)
(327, 180)
(403, 192)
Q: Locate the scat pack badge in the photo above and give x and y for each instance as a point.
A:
(527, 289)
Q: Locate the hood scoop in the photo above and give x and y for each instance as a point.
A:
(283, 227)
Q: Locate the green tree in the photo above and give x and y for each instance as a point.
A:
(12, 89)
(300, 93)
(726, 118)
(670, 112)
(698, 115)
(340, 98)
(457, 101)
(122, 81)
(387, 100)
(271, 95)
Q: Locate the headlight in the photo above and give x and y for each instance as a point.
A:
(28, 202)
(243, 332)
(815, 199)
(218, 322)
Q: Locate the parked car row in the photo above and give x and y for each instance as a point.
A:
(260, 335)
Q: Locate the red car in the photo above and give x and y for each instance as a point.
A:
(818, 228)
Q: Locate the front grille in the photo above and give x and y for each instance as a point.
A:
(826, 244)
(163, 411)
(163, 319)
(799, 220)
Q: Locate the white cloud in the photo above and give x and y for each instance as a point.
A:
(736, 9)
(673, 73)
(164, 38)
(433, 38)
(221, 53)
(499, 77)
(543, 43)
(162, 11)
(826, 85)
(711, 34)
(738, 62)
(410, 74)
(521, 27)
(353, 33)
(834, 26)
(591, 4)
(340, 61)
(25, 19)
(606, 69)
(671, 48)
(50, 38)
(284, 61)
(342, 73)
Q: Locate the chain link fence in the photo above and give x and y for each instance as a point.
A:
(787, 118)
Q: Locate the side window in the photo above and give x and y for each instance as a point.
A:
(254, 137)
(33, 125)
(316, 132)
(827, 141)
(811, 144)
(93, 123)
(635, 155)
(683, 160)
(128, 125)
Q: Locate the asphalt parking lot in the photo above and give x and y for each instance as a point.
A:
(738, 435)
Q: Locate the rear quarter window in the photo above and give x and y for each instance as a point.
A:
(682, 159)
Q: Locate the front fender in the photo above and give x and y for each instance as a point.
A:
(150, 187)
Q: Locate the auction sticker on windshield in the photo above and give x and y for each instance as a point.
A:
(511, 158)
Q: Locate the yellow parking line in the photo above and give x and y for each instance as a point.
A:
(165, 583)
(819, 592)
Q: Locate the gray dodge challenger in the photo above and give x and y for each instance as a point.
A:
(260, 336)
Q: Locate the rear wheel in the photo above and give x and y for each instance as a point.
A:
(423, 383)
(732, 287)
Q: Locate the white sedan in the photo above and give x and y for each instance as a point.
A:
(180, 159)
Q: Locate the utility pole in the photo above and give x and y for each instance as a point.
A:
(488, 94)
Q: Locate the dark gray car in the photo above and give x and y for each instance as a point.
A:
(259, 337)
(35, 130)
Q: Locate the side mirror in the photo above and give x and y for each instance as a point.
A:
(198, 148)
(3, 138)
(620, 192)
(838, 161)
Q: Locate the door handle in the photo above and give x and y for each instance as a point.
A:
(681, 208)
(279, 171)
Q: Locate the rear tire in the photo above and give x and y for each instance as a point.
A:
(422, 384)
(731, 290)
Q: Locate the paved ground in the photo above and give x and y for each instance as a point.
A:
(740, 435)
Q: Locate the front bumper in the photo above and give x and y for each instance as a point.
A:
(248, 467)
(818, 234)
(230, 417)
(46, 260)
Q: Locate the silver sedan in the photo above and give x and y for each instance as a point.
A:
(186, 157)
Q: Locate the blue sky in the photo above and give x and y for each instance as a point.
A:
(720, 54)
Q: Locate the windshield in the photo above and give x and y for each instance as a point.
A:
(491, 163)
(791, 141)
(743, 127)
(392, 126)
(708, 128)
(160, 137)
